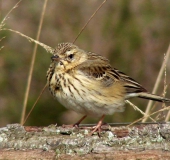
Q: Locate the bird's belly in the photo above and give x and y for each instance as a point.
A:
(90, 104)
(81, 95)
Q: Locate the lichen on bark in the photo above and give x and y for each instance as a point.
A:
(75, 141)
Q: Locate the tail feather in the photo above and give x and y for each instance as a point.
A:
(153, 97)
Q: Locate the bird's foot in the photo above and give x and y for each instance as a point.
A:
(97, 128)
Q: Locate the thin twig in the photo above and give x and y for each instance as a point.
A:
(165, 90)
(163, 116)
(136, 108)
(1, 48)
(2, 24)
(0, 41)
(148, 108)
(47, 48)
(146, 116)
(32, 64)
(89, 20)
(167, 116)
(165, 79)
(34, 104)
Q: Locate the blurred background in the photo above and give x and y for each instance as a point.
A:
(133, 35)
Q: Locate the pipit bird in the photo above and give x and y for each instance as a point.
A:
(86, 83)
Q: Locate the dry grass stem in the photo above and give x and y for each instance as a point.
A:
(2, 38)
(47, 48)
(157, 83)
(34, 104)
(32, 64)
(168, 114)
(162, 115)
(167, 117)
(165, 77)
(1, 48)
(89, 20)
(2, 24)
(147, 116)
(136, 108)
(0, 41)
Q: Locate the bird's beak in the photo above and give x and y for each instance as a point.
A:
(55, 58)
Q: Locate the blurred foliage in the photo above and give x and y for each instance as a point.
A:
(134, 35)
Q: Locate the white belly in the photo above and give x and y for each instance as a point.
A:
(87, 101)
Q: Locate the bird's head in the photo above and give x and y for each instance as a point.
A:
(67, 56)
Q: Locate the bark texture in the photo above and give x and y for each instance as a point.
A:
(144, 141)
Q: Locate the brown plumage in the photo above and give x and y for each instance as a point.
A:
(86, 83)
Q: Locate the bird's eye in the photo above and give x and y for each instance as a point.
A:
(61, 63)
(71, 56)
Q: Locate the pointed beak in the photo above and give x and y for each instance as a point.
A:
(55, 58)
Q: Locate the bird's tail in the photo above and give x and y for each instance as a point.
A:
(153, 97)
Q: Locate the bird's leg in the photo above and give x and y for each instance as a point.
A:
(77, 123)
(98, 126)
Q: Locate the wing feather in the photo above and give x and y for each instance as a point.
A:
(98, 68)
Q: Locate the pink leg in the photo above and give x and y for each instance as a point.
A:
(98, 126)
(77, 123)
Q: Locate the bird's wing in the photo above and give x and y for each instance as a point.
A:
(130, 84)
(98, 68)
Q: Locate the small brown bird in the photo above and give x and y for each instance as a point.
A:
(86, 83)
